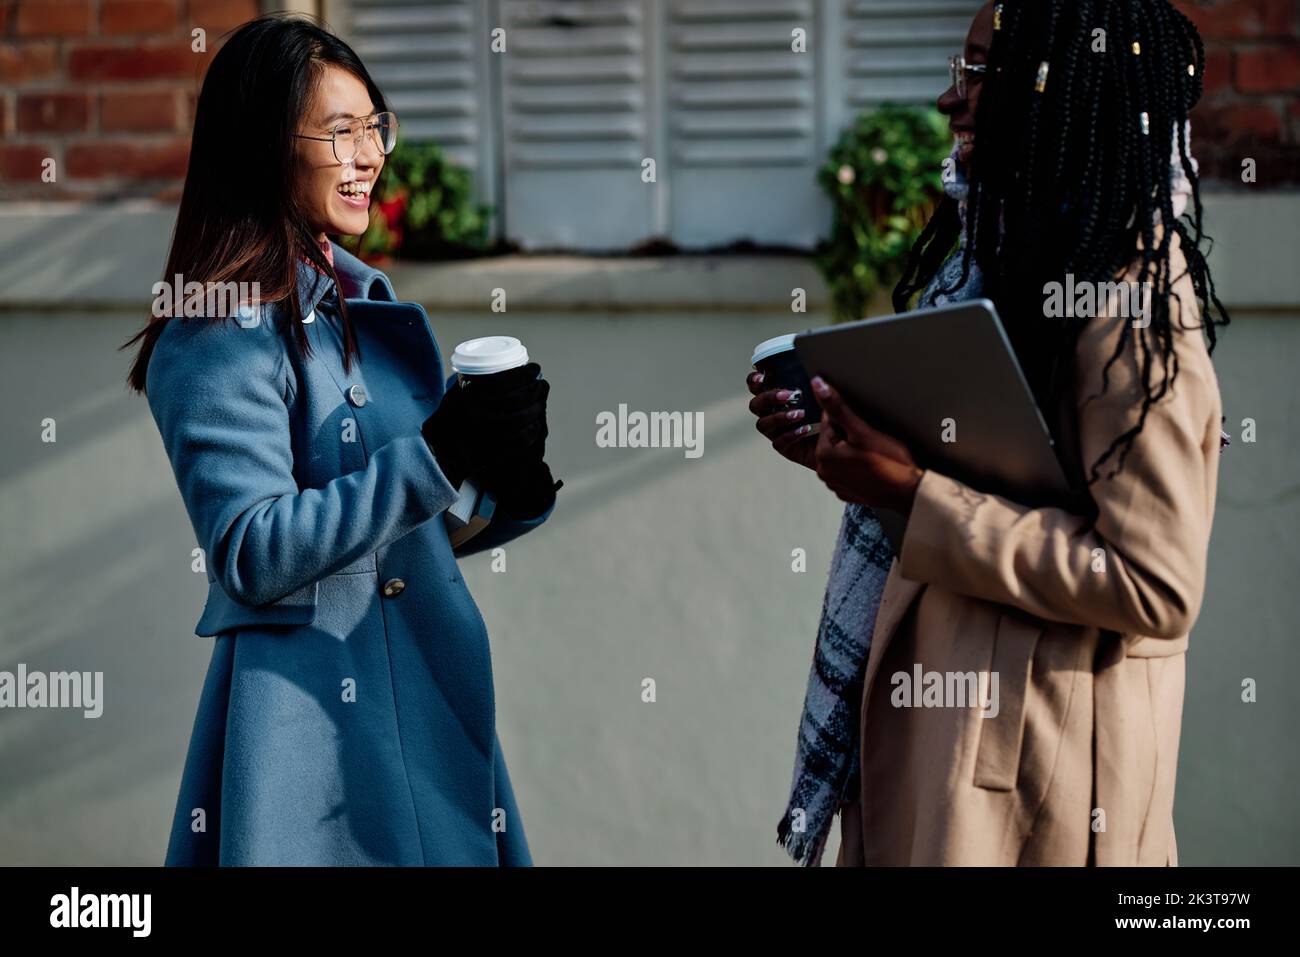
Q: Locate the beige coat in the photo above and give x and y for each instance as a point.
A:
(1078, 766)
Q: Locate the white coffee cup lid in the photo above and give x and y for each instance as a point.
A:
(489, 354)
(770, 347)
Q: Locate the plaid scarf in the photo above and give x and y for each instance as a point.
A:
(826, 752)
(826, 755)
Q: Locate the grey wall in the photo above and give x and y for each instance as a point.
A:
(652, 566)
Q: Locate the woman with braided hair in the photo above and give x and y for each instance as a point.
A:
(1071, 130)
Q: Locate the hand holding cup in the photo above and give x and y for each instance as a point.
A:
(491, 426)
(782, 401)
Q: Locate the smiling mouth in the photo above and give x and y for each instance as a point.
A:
(356, 193)
(964, 138)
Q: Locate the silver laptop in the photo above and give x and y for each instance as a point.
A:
(946, 383)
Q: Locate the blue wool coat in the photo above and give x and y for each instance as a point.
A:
(344, 719)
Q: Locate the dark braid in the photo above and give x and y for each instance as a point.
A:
(1066, 182)
(930, 250)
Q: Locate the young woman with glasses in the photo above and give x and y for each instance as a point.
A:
(348, 713)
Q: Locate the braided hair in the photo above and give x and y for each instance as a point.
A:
(1073, 179)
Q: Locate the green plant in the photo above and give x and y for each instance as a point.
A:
(425, 209)
(884, 180)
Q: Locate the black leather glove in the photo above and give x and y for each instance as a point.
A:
(520, 478)
(525, 491)
(493, 428)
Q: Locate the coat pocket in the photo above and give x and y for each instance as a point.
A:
(222, 613)
(997, 762)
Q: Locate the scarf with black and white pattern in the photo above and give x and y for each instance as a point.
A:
(826, 752)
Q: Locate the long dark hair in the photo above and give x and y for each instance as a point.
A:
(241, 212)
(1066, 181)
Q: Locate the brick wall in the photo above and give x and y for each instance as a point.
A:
(104, 88)
(1251, 107)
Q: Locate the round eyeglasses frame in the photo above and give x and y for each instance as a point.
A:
(353, 129)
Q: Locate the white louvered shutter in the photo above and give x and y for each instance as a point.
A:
(575, 89)
(742, 107)
(429, 58)
(738, 123)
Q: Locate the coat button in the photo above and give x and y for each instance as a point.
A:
(394, 587)
(357, 396)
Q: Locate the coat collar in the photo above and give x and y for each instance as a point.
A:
(357, 280)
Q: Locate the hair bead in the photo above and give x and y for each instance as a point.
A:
(1040, 84)
(1146, 123)
(997, 17)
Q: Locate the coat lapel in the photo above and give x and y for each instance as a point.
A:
(402, 327)
(896, 599)
(356, 281)
(359, 280)
(402, 360)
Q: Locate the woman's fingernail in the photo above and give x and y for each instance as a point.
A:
(782, 395)
(802, 430)
(820, 385)
(796, 395)
(759, 377)
(794, 414)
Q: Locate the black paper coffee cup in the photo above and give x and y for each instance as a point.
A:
(781, 369)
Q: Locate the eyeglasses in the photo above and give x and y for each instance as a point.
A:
(958, 68)
(347, 136)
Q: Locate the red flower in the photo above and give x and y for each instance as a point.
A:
(392, 211)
